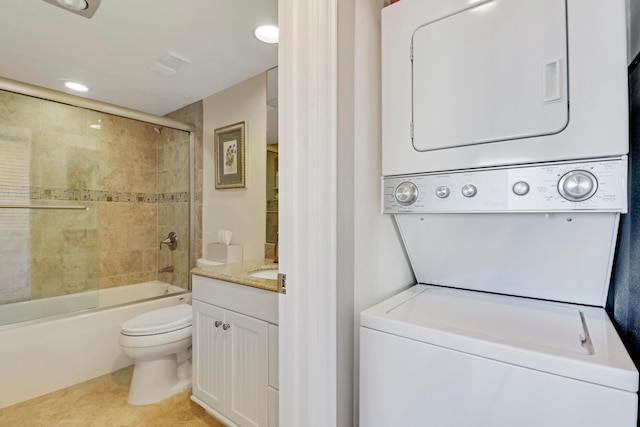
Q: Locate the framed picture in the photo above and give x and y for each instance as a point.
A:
(230, 155)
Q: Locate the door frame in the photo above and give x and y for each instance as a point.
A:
(307, 58)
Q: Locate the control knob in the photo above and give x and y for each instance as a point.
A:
(442, 192)
(577, 185)
(406, 193)
(520, 188)
(469, 190)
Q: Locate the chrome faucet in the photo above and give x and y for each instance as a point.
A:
(171, 241)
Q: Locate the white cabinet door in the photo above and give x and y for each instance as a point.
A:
(209, 355)
(235, 355)
(246, 370)
(273, 357)
(273, 398)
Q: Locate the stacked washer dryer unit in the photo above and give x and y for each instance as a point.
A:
(504, 161)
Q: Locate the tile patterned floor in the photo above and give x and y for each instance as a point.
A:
(102, 402)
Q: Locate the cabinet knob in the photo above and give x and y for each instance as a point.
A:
(226, 326)
(218, 323)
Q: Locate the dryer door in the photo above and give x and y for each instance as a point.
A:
(492, 72)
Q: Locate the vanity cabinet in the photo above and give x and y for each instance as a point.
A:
(235, 353)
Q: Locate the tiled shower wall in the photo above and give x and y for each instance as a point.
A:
(193, 114)
(133, 178)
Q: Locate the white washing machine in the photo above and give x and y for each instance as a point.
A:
(504, 140)
(441, 357)
(514, 333)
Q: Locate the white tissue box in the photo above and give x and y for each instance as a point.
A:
(224, 253)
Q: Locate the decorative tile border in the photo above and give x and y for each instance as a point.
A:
(14, 192)
(40, 193)
(177, 197)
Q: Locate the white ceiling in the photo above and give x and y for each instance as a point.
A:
(41, 44)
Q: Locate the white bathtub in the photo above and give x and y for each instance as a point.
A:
(41, 356)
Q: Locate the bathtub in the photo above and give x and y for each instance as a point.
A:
(41, 356)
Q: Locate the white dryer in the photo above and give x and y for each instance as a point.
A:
(473, 83)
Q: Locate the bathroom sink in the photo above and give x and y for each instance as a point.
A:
(265, 274)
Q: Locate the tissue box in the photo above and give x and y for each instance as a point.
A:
(224, 253)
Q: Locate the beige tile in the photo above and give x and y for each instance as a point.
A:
(123, 156)
(142, 181)
(150, 260)
(46, 241)
(105, 282)
(174, 155)
(126, 214)
(19, 110)
(80, 241)
(129, 154)
(113, 179)
(82, 168)
(173, 180)
(65, 118)
(172, 214)
(101, 402)
(120, 262)
(80, 268)
(131, 237)
(47, 273)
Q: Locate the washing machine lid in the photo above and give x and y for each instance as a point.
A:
(159, 321)
(569, 340)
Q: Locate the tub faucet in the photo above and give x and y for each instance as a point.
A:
(171, 241)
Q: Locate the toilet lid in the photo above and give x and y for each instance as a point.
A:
(159, 321)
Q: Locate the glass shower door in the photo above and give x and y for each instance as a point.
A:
(48, 230)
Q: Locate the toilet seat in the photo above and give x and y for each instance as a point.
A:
(154, 340)
(159, 321)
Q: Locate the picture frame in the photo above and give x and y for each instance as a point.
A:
(230, 156)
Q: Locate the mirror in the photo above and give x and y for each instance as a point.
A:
(272, 156)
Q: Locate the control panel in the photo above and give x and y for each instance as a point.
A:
(596, 185)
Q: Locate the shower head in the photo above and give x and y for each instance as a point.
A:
(157, 129)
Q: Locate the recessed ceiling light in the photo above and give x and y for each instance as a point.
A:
(75, 86)
(84, 8)
(267, 33)
(74, 4)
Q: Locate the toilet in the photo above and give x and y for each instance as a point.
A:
(159, 342)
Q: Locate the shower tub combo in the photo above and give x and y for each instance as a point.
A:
(88, 190)
(45, 355)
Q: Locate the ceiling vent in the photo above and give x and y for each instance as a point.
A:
(169, 64)
(84, 8)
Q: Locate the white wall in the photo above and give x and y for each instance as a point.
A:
(345, 243)
(371, 262)
(241, 210)
(633, 28)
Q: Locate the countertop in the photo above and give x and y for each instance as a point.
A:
(239, 273)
